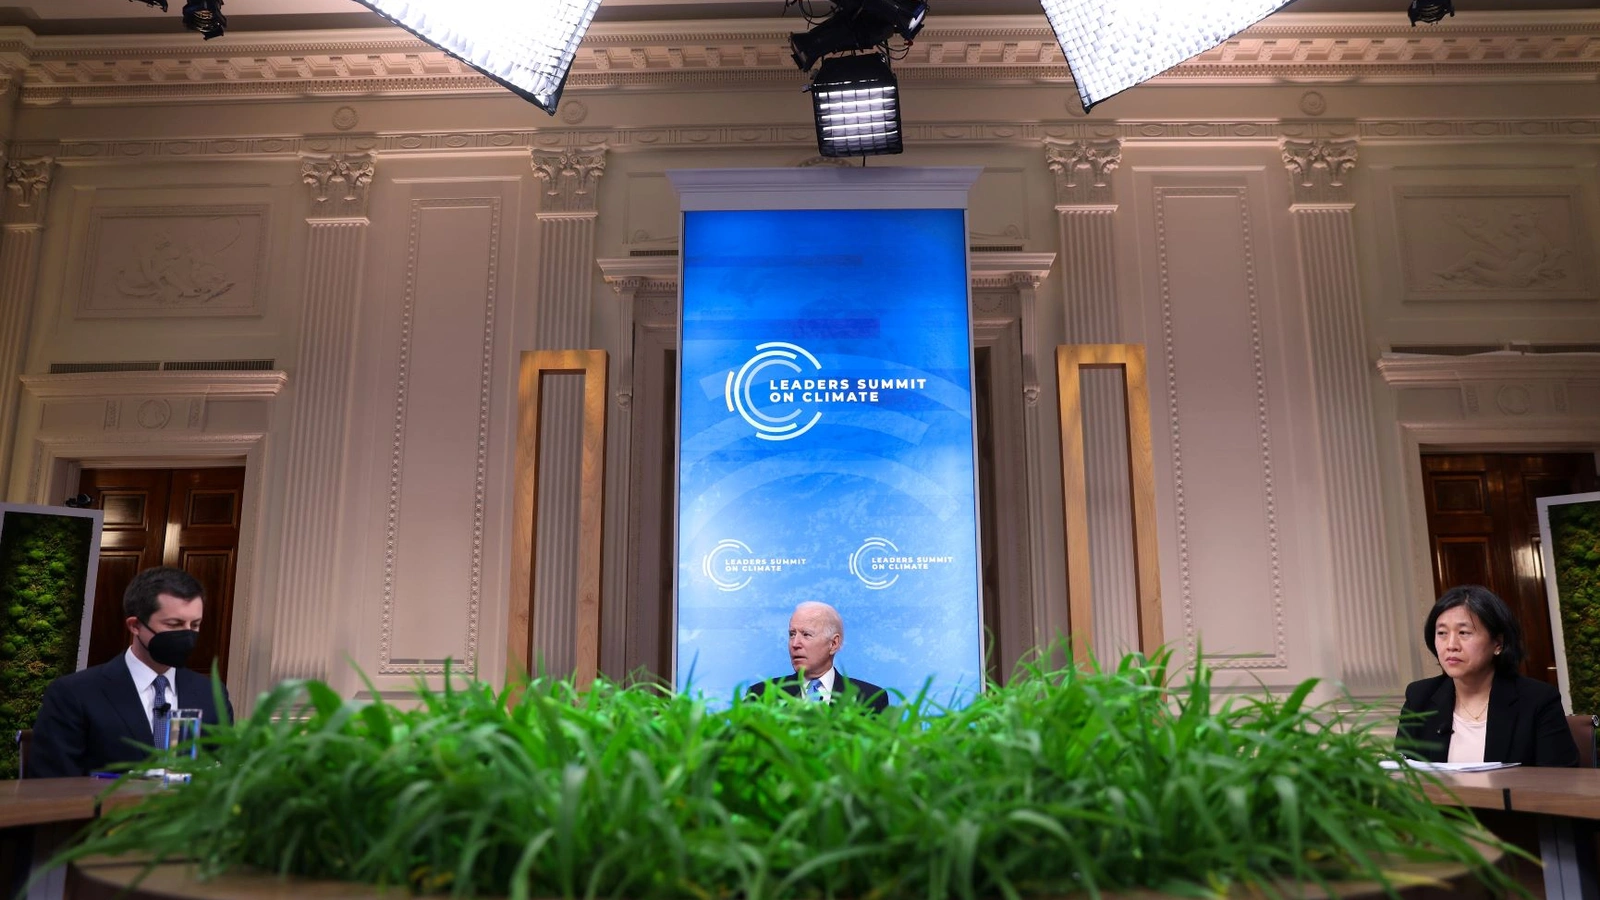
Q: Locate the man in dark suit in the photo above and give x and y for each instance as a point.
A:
(815, 635)
(113, 712)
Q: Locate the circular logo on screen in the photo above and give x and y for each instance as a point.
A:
(721, 565)
(867, 563)
(878, 562)
(753, 392)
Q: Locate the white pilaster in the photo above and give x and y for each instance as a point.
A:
(565, 278)
(1086, 208)
(1325, 230)
(310, 558)
(27, 184)
(619, 440)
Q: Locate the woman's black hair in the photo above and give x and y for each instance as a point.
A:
(1495, 615)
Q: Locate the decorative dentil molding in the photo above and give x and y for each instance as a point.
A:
(339, 184)
(1319, 170)
(1083, 170)
(27, 181)
(570, 179)
(717, 54)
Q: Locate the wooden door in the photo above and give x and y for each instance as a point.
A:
(186, 518)
(1483, 528)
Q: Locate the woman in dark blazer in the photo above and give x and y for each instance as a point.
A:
(1480, 709)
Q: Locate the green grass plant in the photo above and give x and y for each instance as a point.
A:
(1059, 782)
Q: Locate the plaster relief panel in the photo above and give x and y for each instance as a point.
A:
(997, 216)
(175, 261)
(1494, 243)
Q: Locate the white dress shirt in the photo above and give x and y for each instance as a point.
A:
(827, 678)
(144, 679)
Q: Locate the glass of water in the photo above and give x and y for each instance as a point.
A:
(183, 737)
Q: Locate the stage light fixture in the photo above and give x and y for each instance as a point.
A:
(856, 25)
(906, 16)
(856, 100)
(1430, 11)
(1112, 45)
(526, 45)
(158, 3)
(204, 16)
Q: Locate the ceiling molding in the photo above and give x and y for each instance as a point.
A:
(1288, 48)
(111, 152)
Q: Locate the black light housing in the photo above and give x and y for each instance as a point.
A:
(204, 16)
(856, 25)
(1430, 11)
(856, 101)
(161, 3)
(905, 15)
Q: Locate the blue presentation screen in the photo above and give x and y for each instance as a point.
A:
(826, 447)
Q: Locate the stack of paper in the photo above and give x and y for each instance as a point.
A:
(1448, 766)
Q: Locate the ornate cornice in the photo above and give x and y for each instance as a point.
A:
(1351, 48)
(556, 140)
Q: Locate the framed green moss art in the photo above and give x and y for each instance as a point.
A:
(1569, 537)
(48, 559)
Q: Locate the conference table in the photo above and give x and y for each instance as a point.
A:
(1566, 803)
(54, 810)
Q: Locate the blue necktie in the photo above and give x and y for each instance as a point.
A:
(161, 711)
(814, 689)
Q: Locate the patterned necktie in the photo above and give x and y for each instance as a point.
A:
(160, 712)
(814, 689)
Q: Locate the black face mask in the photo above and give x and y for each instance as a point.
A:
(172, 648)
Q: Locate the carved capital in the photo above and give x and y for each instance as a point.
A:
(627, 286)
(27, 183)
(1083, 170)
(1025, 281)
(339, 184)
(571, 180)
(1319, 170)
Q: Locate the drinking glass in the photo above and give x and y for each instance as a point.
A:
(183, 737)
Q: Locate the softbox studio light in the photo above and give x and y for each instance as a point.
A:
(857, 104)
(526, 45)
(1112, 45)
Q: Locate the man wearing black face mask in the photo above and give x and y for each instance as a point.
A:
(110, 712)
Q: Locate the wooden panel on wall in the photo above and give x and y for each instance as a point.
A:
(437, 479)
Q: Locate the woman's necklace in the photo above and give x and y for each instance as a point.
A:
(1478, 716)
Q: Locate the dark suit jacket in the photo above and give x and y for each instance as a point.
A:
(1526, 722)
(93, 718)
(864, 691)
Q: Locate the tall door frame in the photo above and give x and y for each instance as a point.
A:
(1467, 404)
(164, 420)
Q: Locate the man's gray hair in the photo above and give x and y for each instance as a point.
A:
(829, 615)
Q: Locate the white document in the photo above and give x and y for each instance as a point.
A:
(1448, 766)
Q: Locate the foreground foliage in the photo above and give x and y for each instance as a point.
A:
(1059, 782)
